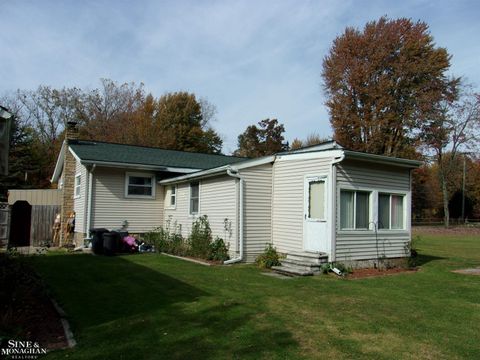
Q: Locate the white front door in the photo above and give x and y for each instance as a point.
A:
(315, 225)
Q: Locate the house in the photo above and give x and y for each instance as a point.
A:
(317, 204)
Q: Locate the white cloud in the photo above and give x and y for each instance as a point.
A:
(252, 59)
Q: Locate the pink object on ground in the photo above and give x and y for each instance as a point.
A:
(130, 240)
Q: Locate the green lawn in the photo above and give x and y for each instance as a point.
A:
(156, 307)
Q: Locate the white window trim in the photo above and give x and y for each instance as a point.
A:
(149, 175)
(395, 193)
(193, 215)
(371, 206)
(168, 196)
(75, 186)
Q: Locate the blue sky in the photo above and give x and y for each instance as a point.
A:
(252, 59)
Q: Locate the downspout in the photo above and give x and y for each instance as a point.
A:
(90, 196)
(234, 173)
(334, 205)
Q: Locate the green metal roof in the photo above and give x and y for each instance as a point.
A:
(91, 151)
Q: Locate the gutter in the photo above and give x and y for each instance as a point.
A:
(90, 196)
(334, 205)
(234, 173)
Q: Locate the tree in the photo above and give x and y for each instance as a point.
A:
(24, 163)
(454, 130)
(312, 139)
(382, 83)
(181, 125)
(266, 139)
(114, 112)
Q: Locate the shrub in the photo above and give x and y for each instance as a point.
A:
(167, 242)
(218, 250)
(200, 238)
(268, 258)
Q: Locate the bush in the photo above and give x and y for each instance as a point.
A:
(200, 238)
(167, 242)
(268, 258)
(218, 250)
(199, 244)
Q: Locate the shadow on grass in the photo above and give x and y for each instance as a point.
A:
(117, 305)
(100, 289)
(423, 259)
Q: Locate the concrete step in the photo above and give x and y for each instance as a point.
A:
(308, 258)
(290, 271)
(300, 264)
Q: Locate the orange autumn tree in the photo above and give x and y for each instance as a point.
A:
(382, 83)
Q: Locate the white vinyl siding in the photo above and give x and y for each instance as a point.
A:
(111, 207)
(377, 179)
(79, 201)
(288, 199)
(257, 209)
(217, 200)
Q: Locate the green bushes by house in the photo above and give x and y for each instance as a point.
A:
(199, 244)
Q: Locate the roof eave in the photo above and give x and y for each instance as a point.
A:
(139, 166)
(381, 159)
(59, 164)
(219, 170)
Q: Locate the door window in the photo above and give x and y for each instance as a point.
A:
(316, 199)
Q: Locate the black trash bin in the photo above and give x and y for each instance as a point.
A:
(97, 240)
(111, 243)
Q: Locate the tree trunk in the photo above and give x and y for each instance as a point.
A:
(446, 216)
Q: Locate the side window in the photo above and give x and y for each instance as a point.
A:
(78, 183)
(391, 211)
(139, 185)
(354, 210)
(194, 198)
(173, 195)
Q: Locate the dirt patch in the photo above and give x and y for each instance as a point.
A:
(475, 271)
(440, 230)
(27, 312)
(366, 273)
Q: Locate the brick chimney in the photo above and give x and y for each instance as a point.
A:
(69, 164)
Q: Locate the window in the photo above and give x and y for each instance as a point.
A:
(316, 203)
(354, 210)
(140, 185)
(194, 198)
(390, 211)
(173, 195)
(78, 182)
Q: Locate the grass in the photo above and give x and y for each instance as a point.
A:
(156, 307)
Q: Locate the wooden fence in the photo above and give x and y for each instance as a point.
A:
(41, 227)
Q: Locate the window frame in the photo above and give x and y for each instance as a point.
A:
(192, 214)
(168, 197)
(404, 210)
(77, 186)
(371, 194)
(128, 175)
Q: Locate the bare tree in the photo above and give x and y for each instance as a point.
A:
(455, 130)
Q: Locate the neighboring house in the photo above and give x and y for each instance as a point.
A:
(317, 204)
